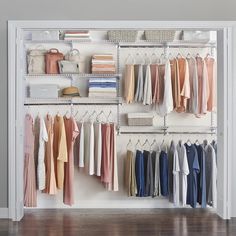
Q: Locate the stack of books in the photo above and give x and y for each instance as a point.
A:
(77, 35)
(103, 64)
(102, 87)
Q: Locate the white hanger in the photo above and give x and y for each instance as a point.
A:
(138, 143)
(129, 143)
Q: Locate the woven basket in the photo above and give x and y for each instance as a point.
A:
(140, 119)
(159, 35)
(122, 35)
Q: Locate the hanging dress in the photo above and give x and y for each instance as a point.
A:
(41, 169)
(72, 132)
(211, 72)
(51, 186)
(30, 198)
(59, 149)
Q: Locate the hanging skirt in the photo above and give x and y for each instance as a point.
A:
(30, 198)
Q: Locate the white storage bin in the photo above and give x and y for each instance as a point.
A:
(43, 91)
(46, 35)
(140, 119)
(204, 36)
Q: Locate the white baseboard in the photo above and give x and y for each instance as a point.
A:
(4, 213)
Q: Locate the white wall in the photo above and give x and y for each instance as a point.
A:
(89, 192)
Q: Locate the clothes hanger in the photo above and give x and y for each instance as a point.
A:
(152, 144)
(197, 142)
(76, 114)
(129, 143)
(110, 113)
(162, 58)
(98, 116)
(94, 112)
(128, 57)
(83, 116)
(188, 56)
(137, 57)
(146, 59)
(163, 146)
(138, 143)
(147, 142)
(170, 56)
(154, 58)
(189, 142)
(66, 114)
(179, 55)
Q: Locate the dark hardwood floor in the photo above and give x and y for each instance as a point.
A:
(120, 222)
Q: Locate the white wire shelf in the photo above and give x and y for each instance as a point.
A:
(73, 101)
(70, 41)
(176, 43)
(167, 130)
(75, 74)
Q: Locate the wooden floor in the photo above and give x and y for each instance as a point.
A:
(119, 222)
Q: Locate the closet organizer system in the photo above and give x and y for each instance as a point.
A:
(86, 135)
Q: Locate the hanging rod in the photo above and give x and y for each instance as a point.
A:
(70, 103)
(165, 46)
(166, 132)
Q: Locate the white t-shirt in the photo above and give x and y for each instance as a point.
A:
(176, 176)
(184, 171)
(41, 173)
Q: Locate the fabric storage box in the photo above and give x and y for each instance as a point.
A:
(43, 91)
(122, 35)
(196, 35)
(140, 119)
(46, 35)
(160, 35)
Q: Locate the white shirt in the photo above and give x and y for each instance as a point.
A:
(81, 146)
(176, 175)
(98, 147)
(41, 173)
(184, 171)
(167, 104)
(91, 149)
(147, 98)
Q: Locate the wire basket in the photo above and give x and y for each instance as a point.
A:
(122, 35)
(160, 35)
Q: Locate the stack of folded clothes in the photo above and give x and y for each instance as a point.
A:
(103, 64)
(77, 35)
(102, 87)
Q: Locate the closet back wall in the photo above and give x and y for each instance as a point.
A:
(82, 10)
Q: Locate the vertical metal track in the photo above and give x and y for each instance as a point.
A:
(118, 87)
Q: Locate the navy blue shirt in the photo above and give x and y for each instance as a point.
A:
(139, 174)
(193, 166)
(164, 173)
(201, 177)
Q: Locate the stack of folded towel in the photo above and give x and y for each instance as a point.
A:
(103, 64)
(102, 87)
(77, 35)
